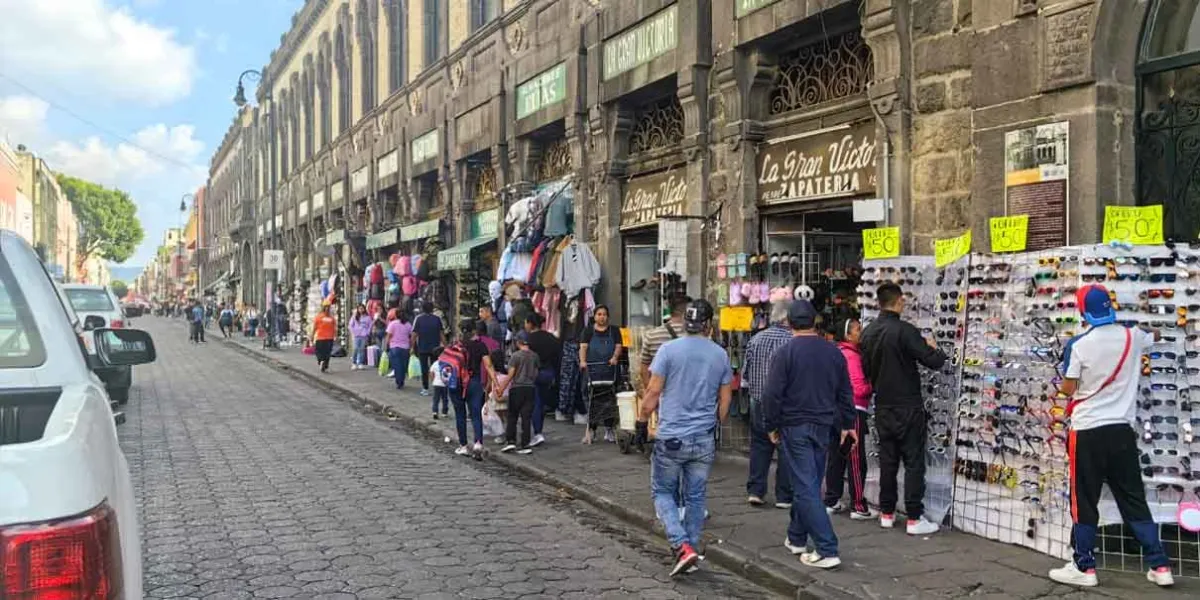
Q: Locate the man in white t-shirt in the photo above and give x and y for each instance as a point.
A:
(1102, 375)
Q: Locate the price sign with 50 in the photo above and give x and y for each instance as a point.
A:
(882, 242)
(1141, 225)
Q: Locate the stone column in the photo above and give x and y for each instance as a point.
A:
(888, 39)
(695, 55)
(610, 127)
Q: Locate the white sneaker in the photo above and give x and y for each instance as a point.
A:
(609, 436)
(753, 500)
(864, 516)
(424, 392)
(537, 440)
(921, 527)
(477, 451)
(795, 550)
(581, 420)
(509, 448)
(836, 508)
(501, 440)
(1161, 576)
(560, 416)
(525, 451)
(887, 520)
(462, 451)
(1071, 575)
(390, 374)
(784, 505)
(813, 559)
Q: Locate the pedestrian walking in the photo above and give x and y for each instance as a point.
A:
(431, 338)
(398, 341)
(548, 349)
(225, 321)
(252, 321)
(891, 350)
(324, 331)
(599, 353)
(197, 318)
(690, 387)
(474, 372)
(806, 402)
(360, 330)
(523, 370)
(756, 368)
(440, 393)
(1101, 376)
(853, 466)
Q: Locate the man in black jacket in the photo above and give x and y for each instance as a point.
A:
(891, 350)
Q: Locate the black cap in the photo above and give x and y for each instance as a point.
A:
(697, 316)
(802, 315)
(523, 337)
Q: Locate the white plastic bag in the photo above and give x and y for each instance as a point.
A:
(492, 425)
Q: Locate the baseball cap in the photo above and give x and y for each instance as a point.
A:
(802, 315)
(1095, 305)
(697, 316)
(523, 337)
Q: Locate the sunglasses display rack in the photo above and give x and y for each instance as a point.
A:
(930, 306)
(1010, 452)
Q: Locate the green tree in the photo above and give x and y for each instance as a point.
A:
(119, 288)
(108, 224)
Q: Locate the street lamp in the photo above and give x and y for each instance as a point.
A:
(239, 98)
(179, 241)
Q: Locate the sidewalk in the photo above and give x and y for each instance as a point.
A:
(877, 563)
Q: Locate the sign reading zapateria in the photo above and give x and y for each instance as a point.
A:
(652, 196)
(831, 164)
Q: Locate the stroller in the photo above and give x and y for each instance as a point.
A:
(601, 383)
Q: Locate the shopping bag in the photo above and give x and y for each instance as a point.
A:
(372, 355)
(492, 425)
(414, 367)
(383, 364)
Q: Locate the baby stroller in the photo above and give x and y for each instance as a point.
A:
(601, 381)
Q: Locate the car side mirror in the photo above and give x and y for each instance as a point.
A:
(124, 347)
(93, 322)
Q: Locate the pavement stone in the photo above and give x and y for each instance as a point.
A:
(877, 564)
(253, 484)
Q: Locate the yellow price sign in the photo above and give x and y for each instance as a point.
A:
(1140, 225)
(1009, 233)
(737, 318)
(881, 242)
(949, 250)
(626, 338)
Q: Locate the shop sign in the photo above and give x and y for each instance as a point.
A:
(1138, 225)
(545, 89)
(485, 224)
(649, 39)
(359, 180)
(318, 201)
(303, 210)
(827, 165)
(419, 231)
(425, 147)
(745, 7)
(881, 242)
(650, 197)
(382, 239)
(336, 192)
(388, 164)
(337, 236)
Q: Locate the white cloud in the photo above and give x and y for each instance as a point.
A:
(22, 118)
(156, 150)
(93, 43)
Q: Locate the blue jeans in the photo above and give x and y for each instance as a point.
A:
(473, 398)
(360, 350)
(542, 386)
(761, 452)
(439, 393)
(806, 447)
(682, 462)
(398, 361)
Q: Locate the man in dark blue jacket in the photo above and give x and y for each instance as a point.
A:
(808, 399)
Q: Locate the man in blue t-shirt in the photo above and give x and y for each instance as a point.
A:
(689, 385)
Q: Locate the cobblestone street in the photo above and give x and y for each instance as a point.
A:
(252, 484)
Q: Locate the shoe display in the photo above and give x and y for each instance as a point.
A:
(1071, 575)
(921, 527)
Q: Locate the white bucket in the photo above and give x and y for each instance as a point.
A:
(627, 406)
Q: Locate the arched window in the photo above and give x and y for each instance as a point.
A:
(325, 88)
(342, 61)
(1168, 123)
(395, 23)
(366, 53)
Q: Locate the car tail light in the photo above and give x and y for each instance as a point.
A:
(116, 324)
(78, 557)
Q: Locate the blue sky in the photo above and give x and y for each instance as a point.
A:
(131, 93)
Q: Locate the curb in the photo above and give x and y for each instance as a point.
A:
(762, 570)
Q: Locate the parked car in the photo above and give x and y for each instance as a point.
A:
(98, 307)
(68, 520)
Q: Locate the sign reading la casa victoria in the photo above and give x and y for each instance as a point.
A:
(832, 164)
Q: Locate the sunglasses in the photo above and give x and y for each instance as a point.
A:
(1158, 293)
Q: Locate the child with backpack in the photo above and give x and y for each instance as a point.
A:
(467, 371)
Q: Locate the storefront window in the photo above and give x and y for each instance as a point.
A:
(831, 69)
(643, 301)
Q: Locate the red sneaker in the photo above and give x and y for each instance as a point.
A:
(685, 557)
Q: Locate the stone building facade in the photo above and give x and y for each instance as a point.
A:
(760, 122)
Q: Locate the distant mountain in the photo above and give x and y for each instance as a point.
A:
(125, 273)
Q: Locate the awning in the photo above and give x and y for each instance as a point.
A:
(458, 257)
(217, 283)
(383, 239)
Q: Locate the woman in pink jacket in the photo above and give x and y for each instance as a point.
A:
(851, 464)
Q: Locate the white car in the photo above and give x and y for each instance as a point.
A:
(68, 516)
(97, 307)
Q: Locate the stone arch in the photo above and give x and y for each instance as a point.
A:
(1115, 40)
(367, 21)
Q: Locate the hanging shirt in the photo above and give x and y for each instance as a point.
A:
(560, 216)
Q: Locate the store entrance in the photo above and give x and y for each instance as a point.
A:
(820, 249)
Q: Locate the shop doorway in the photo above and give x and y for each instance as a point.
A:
(823, 250)
(1168, 123)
